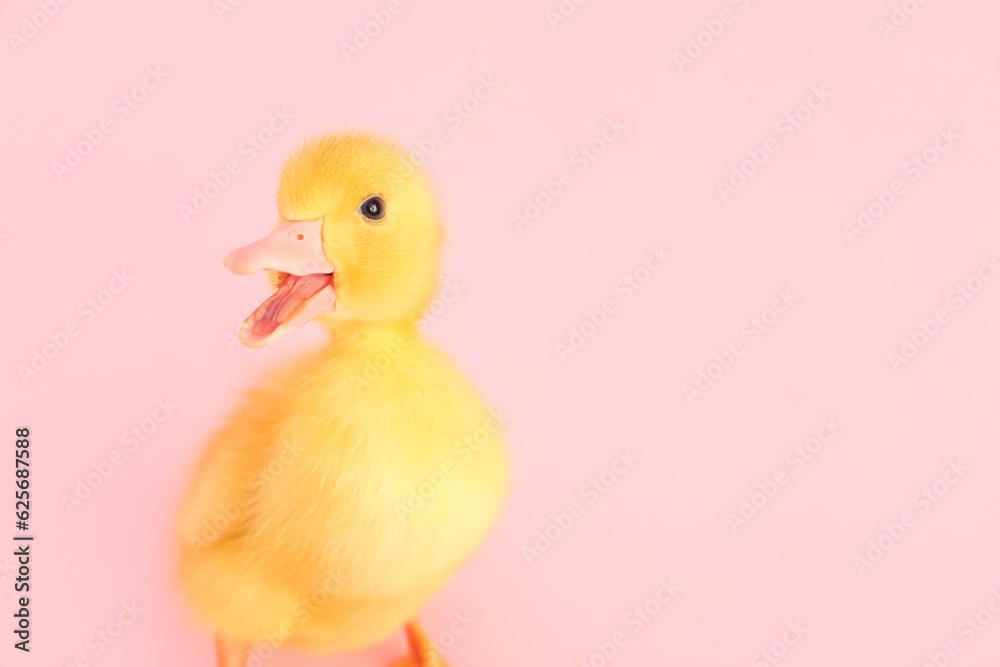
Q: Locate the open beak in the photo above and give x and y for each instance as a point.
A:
(306, 281)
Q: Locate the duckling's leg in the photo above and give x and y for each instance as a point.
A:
(231, 653)
(422, 651)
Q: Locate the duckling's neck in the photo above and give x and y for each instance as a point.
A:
(369, 339)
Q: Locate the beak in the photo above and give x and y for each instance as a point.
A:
(305, 291)
(294, 247)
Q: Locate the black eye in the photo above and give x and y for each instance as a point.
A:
(373, 208)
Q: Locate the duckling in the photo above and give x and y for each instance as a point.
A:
(346, 488)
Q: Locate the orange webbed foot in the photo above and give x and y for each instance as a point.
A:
(231, 653)
(422, 651)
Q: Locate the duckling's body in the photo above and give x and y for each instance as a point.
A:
(348, 486)
(332, 463)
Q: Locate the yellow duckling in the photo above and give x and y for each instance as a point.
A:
(346, 488)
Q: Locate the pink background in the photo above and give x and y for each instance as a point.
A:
(167, 334)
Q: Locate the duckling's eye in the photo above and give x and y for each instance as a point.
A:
(373, 208)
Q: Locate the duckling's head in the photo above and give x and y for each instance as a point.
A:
(358, 238)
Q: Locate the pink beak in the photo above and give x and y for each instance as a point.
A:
(295, 248)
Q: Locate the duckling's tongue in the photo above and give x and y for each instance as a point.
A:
(298, 300)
